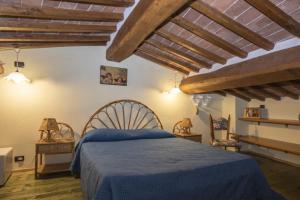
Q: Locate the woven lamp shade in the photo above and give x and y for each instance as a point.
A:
(49, 124)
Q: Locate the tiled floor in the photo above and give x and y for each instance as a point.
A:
(22, 185)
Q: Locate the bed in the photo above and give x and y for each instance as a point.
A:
(125, 154)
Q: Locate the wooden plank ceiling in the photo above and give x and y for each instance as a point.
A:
(57, 23)
(204, 32)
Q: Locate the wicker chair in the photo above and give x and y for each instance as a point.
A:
(228, 142)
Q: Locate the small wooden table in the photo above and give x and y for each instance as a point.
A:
(57, 147)
(193, 137)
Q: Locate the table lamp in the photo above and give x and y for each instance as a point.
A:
(48, 125)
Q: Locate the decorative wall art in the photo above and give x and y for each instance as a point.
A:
(113, 75)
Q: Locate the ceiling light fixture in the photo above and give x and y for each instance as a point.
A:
(17, 77)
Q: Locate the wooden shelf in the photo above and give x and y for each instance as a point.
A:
(272, 144)
(54, 168)
(272, 121)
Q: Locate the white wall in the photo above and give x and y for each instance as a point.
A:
(66, 86)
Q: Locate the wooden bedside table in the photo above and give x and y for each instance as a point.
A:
(46, 148)
(193, 137)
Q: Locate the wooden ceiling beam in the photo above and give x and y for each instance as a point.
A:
(276, 87)
(180, 54)
(160, 62)
(277, 15)
(54, 27)
(169, 59)
(234, 93)
(261, 91)
(249, 94)
(145, 18)
(295, 84)
(115, 3)
(206, 35)
(222, 93)
(18, 38)
(232, 25)
(283, 65)
(57, 14)
(189, 45)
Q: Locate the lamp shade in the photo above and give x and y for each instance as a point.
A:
(49, 124)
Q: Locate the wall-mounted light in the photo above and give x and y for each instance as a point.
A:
(174, 90)
(17, 77)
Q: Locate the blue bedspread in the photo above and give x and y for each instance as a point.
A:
(167, 169)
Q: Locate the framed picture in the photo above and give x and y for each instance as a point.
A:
(255, 112)
(113, 75)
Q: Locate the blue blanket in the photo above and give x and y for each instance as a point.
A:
(165, 169)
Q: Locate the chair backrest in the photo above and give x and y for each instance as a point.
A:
(212, 128)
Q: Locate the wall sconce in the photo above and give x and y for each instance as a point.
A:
(201, 100)
(17, 77)
(174, 90)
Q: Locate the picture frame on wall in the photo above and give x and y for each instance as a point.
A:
(113, 75)
(255, 112)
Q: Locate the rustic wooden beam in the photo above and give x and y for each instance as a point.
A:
(206, 35)
(234, 93)
(25, 38)
(115, 3)
(295, 84)
(277, 15)
(283, 91)
(142, 21)
(160, 62)
(249, 94)
(54, 27)
(180, 54)
(8, 46)
(232, 25)
(169, 59)
(57, 14)
(283, 65)
(261, 91)
(189, 45)
(222, 93)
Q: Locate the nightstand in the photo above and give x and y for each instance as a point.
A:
(46, 148)
(193, 137)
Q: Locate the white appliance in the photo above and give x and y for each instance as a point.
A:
(6, 163)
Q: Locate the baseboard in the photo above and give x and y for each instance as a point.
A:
(23, 170)
(272, 158)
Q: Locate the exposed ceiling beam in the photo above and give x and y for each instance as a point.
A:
(180, 54)
(160, 62)
(283, 65)
(261, 91)
(8, 46)
(249, 94)
(142, 21)
(170, 59)
(277, 15)
(234, 93)
(283, 91)
(206, 35)
(191, 46)
(232, 25)
(222, 93)
(115, 3)
(52, 38)
(295, 84)
(54, 27)
(57, 14)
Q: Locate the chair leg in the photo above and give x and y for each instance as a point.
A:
(225, 147)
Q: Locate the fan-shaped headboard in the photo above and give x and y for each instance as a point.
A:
(123, 114)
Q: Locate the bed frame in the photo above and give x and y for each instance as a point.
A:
(123, 114)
